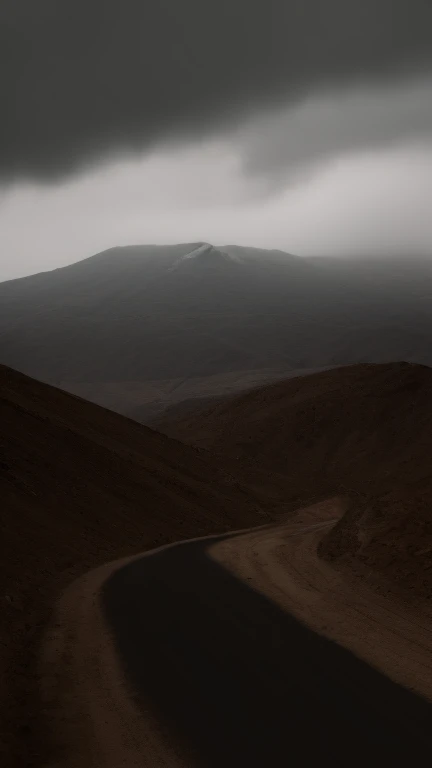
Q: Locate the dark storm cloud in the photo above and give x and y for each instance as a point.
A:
(83, 78)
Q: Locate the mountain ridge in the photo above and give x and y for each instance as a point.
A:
(138, 314)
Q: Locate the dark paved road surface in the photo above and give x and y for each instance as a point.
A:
(241, 683)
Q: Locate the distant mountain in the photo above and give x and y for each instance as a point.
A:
(142, 327)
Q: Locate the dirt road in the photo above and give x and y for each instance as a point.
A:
(390, 631)
(206, 670)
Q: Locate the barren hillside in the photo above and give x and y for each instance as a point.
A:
(364, 432)
(80, 485)
(355, 425)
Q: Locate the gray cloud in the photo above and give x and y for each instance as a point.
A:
(366, 204)
(292, 143)
(80, 79)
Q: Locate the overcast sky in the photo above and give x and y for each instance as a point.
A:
(299, 125)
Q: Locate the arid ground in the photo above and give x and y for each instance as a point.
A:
(306, 632)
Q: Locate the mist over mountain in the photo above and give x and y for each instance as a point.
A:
(142, 327)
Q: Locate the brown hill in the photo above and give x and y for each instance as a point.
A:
(80, 485)
(342, 426)
(363, 432)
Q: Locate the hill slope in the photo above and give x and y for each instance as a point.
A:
(364, 432)
(349, 424)
(131, 326)
(80, 485)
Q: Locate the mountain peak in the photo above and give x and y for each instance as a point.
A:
(205, 255)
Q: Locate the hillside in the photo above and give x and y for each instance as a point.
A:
(364, 432)
(139, 328)
(389, 534)
(80, 485)
(353, 424)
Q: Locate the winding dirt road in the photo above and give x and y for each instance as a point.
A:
(221, 653)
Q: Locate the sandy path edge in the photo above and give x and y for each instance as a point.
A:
(88, 714)
(387, 631)
(88, 718)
